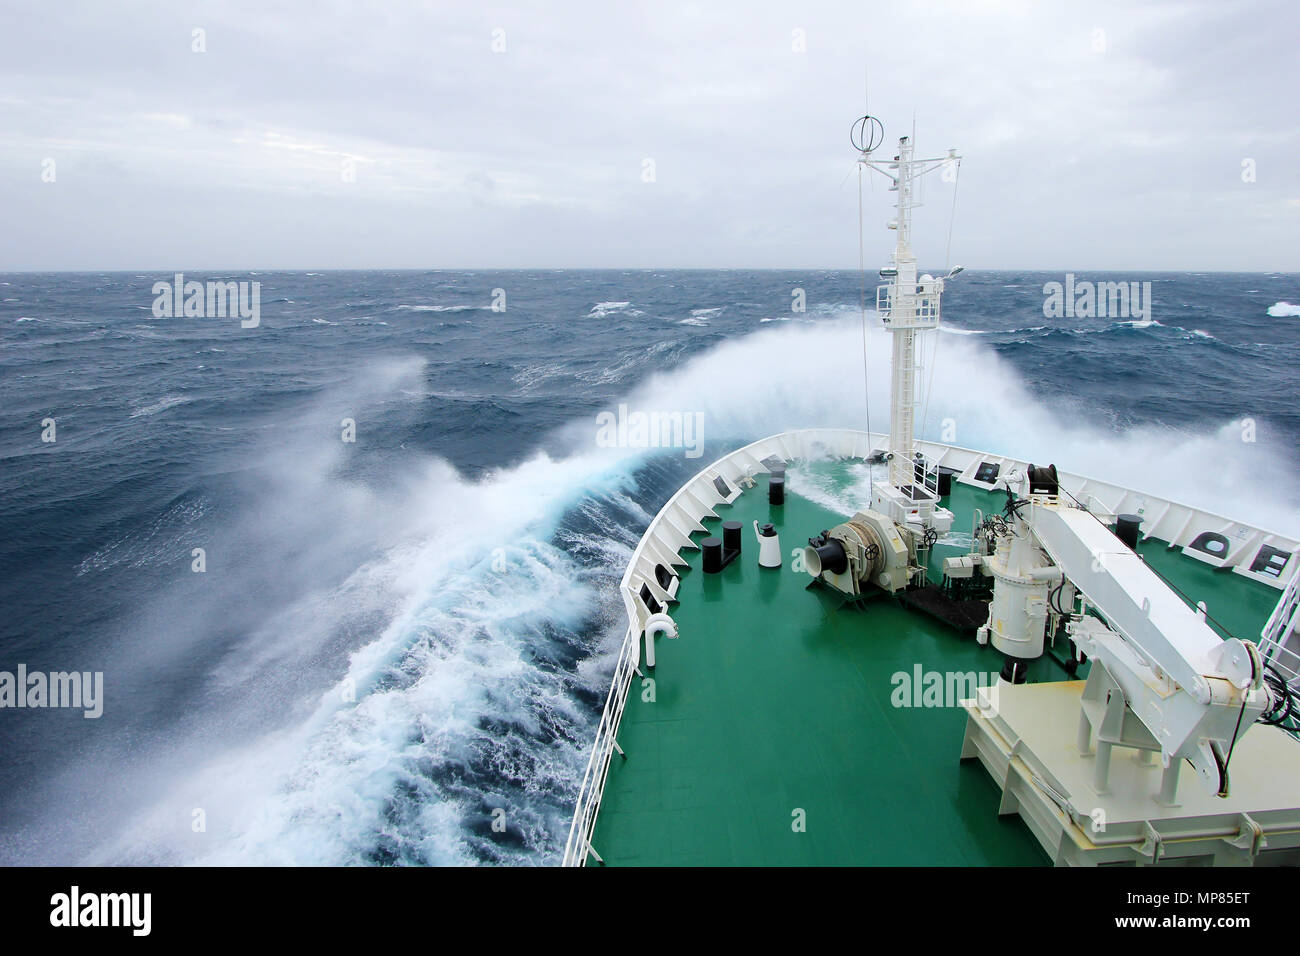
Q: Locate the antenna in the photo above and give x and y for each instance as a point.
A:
(908, 304)
(866, 134)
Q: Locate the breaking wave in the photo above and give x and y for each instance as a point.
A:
(444, 644)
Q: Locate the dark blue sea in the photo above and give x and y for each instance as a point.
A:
(396, 640)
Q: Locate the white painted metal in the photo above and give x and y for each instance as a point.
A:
(578, 846)
(1161, 679)
(1016, 732)
(876, 553)
(769, 548)
(664, 540)
(655, 624)
(1133, 599)
(1280, 638)
(907, 304)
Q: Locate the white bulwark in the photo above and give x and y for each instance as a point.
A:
(653, 569)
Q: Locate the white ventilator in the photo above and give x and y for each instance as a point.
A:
(769, 546)
(653, 625)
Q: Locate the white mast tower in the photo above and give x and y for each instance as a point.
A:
(907, 305)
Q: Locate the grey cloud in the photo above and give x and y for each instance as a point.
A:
(1127, 157)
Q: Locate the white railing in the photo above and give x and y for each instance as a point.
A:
(669, 533)
(1274, 639)
(593, 781)
(924, 313)
(928, 474)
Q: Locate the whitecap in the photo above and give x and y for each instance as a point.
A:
(439, 308)
(602, 309)
(169, 401)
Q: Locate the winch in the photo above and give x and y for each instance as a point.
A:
(867, 549)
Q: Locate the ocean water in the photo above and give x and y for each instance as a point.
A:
(397, 640)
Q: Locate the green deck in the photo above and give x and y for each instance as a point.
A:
(775, 700)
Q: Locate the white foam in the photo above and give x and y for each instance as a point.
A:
(450, 678)
(812, 374)
(439, 308)
(471, 593)
(164, 403)
(602, 309)
(1283, 309)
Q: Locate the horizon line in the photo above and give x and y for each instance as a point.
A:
(849, 270)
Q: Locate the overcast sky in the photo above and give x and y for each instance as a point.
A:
(1093, 135)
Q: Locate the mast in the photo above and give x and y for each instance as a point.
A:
(907, 305)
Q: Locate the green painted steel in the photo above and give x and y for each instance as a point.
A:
(783, 729)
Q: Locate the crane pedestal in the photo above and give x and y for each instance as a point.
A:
(1027, 738)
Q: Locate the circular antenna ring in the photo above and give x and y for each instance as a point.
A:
(866, 134)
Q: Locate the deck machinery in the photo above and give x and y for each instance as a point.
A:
(1091, 766)
(1162, 684)
(884, 545)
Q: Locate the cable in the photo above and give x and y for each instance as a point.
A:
(1285, 711)
(1236, 730)
(1054, 600)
